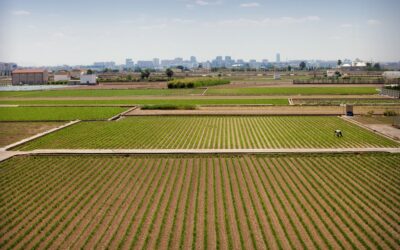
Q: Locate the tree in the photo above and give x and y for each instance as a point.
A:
(145, 74)
(302, 65)
(377, 66)
(289, 68)
(89, 72)
(339, 62)
(129, 77)
(169, 73)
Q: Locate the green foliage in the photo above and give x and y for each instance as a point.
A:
(203, 132)
(196, 83)
(98, 92)
(57, 113)
(169, 72)
(152, 101)
(168, 107)
(145, 74)
(302, 65)
(389, 113)
(294, 91)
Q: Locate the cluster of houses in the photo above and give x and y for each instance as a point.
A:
(42, 76)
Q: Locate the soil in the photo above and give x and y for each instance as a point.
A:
(11, 132)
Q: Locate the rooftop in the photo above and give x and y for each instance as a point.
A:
(28, 71)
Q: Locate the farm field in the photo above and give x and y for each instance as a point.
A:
(294, 91)
(11, 132)
(149, 102)
(99, 92)
(211, 132)
(345, 101)
(340, 201)
(57, 113)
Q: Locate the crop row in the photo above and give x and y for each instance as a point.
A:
(169, 202)
(212, 132)
(58, 113)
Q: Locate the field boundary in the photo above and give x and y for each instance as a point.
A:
(38, 135)
(117, 116)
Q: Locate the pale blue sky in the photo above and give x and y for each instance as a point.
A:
(51, 32)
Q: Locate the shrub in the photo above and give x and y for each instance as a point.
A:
(370, 113)
(196, 83)
(389, 113)
(169, 107)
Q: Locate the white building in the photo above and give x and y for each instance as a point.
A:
(331, 73)
(62, 77)
(391, 74)
(88, 79)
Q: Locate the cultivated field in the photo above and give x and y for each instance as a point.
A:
(211, 132)
(217, 202)
(11, 132)
(149, 101)
(99, 92)
(294, 91)
(57, 113)
(346, 101)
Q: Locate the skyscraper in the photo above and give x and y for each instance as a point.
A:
(278, 57)
(156, 62)
(129, 63)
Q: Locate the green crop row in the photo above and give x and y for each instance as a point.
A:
(211, 132)
(58, 113)
(318, 201)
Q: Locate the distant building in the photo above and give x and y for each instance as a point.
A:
(277, 76)
(88, 79)
(62, 76)
(156, 62)
(331, 73)
(76, 73)
(278, 58)
(30, 76)
(7, 68)
(104, 65)
(129, 63)
(145, 64)
(391, 74)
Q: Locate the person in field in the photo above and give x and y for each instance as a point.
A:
(338, 133)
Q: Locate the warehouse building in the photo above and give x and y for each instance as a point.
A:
(29, 76)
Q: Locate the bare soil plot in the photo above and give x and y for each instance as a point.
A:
(11, 132)
(238, 201)
(381, 124)
(125, 85)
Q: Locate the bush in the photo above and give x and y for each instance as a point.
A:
(196, 83)
(370, 113)
(168, 107)
(389, 113)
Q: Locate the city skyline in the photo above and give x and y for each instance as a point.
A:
(75, 33)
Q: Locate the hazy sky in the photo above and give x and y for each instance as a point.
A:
(52, 32)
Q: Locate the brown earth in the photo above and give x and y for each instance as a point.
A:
(11, 132)
(124, 85)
